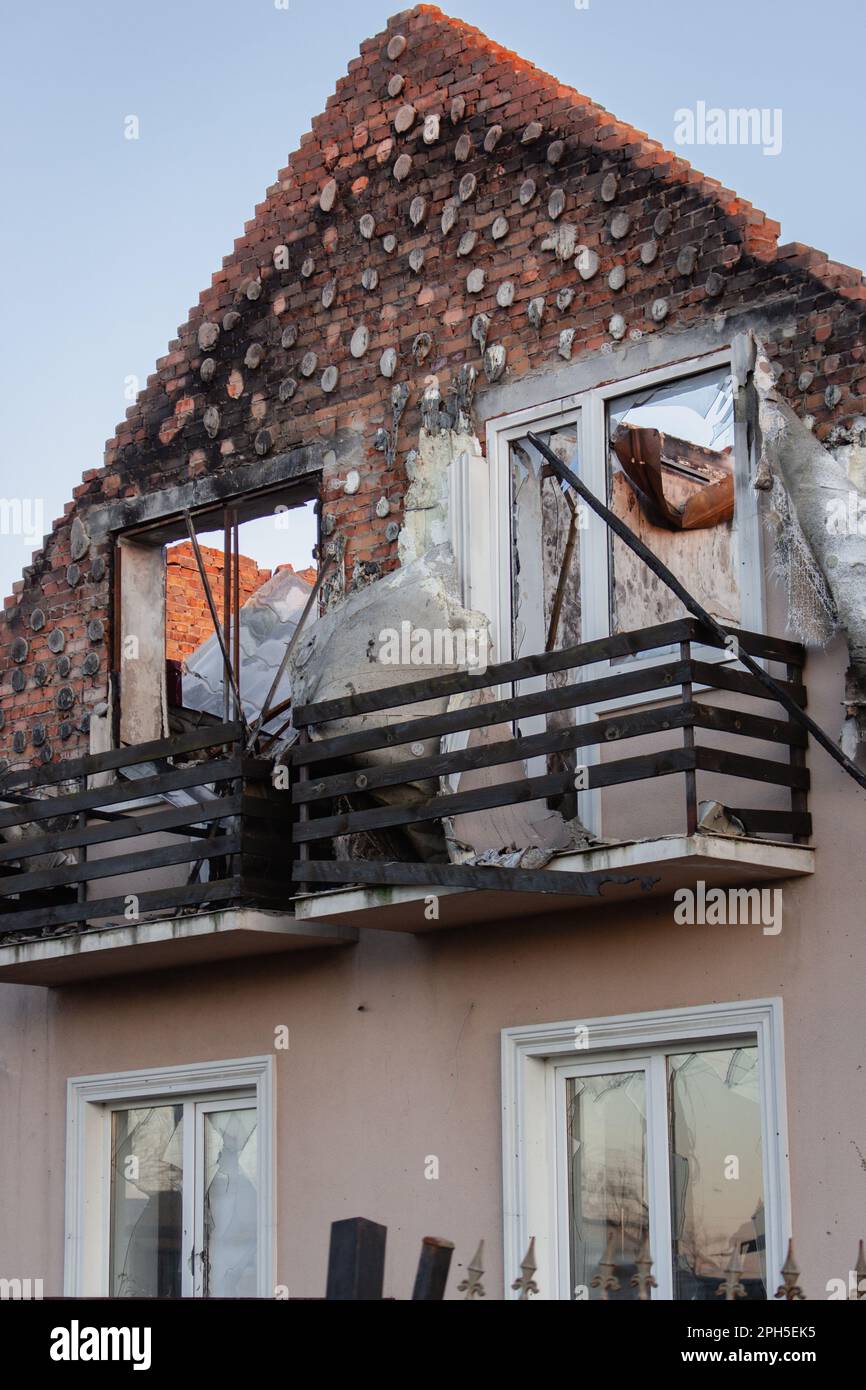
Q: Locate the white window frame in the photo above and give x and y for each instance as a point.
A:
(589, 408)
(591, 405)
(532, 1143)
(90, 1102)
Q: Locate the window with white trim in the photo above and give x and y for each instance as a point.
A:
(679, 477)
(184, 1209)
(169, 1182)
(660, 1132)
(671, 479)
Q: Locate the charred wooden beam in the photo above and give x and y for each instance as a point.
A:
(114, 758)
(157, 900)
(610, 730)
(502, 673)
(183, 820)
(195, 776)
(654, 678)
(661, 764)
(222, 637)
(117, 865)
(490, 877)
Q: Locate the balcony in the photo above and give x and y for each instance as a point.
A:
(190, 850)
(696, 729)
(168, 853)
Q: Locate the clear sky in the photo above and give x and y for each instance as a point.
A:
(106, 242)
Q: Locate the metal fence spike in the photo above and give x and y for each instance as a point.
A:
(605, 1279)
(471, 1286)
(643, 1280)
(526, 1285)
(789, 1287)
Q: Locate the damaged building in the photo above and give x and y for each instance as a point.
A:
(406, 819)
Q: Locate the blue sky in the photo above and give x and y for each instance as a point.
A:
(106, 242)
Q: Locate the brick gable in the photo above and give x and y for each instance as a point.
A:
(317, 316)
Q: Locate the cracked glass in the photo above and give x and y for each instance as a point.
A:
(607, 1178)
(230, 1203)
(146, 1202)
(717, 1191)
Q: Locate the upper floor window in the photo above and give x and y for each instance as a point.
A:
(664, 453)
(670, 478)
(250, 582)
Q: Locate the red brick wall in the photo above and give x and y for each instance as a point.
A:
(187, 617)
(224, 394)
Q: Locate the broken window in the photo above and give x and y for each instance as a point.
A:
(671, 479)
(701, 1193)
(204, 621)
(272, 573)
(229, 1231)
(545, 546)
(545, 578)
(184, 1200)
(146, 1202)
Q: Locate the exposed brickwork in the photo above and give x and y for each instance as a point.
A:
(187, 616)
(453, 71)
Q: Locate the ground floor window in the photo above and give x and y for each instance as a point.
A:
(655, 1134)
(169, 1182)
(184, 1200)
(701, 1192)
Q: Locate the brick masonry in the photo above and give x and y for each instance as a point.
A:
(351, 237)
(187, 616)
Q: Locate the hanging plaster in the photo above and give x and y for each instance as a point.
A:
(367, 642)
(817, 505)
(426, 513)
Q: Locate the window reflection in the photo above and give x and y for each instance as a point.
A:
(231, 1203)
(146, 1202)
(607, 1176)
(717, 1203)
(671, 480)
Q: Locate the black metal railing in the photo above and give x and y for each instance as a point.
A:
(330, 768)
(232, 829)
(246, 828)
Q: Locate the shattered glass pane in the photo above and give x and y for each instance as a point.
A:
(230, 1203)
(607, 1177)
(717, 1191)
(146, 1202)
(546, 524)
(671, 480)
